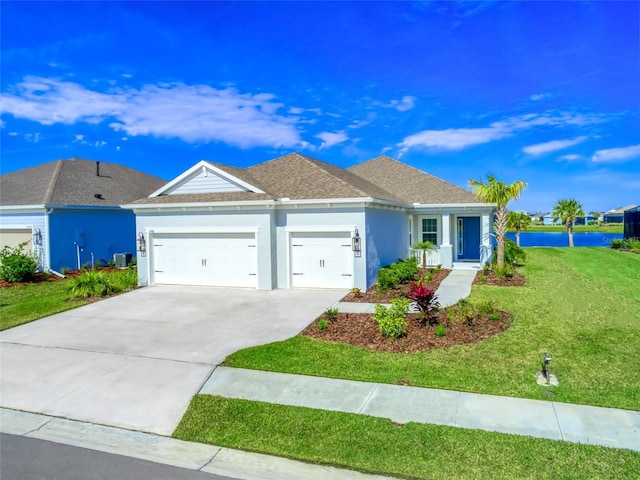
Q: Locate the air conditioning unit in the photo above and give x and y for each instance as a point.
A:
(122, 259)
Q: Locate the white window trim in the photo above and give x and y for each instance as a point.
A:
(438, 232)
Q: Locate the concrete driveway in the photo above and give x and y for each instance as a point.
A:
(135, 360)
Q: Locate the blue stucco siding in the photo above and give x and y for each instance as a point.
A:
(386, 239)
(102, 233)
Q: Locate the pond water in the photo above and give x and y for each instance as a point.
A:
(561, 239)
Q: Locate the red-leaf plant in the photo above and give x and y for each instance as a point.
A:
(427, 301)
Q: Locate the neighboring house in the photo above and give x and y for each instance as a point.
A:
(547, 219)
(298, 222)
(616, 215)
(69, 210)
(632, 223)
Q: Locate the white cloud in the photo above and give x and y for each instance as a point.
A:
(572, 157)
(613, 155)
(539, 96)
(552, 146)
(194, 113)
(460, 138)
(453, 138)
(407, 103)
(13, 134)
(330, 139)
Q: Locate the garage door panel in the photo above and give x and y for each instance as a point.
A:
(206, 259)
(321, 260)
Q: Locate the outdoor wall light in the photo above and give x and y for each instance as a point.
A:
(142, 244)
(355, 243)
(37, 237)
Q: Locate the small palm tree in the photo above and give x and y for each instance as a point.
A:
(519, 221)
(567, 210)
(425, 246)
(501, 194)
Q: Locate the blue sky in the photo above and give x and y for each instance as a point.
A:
(546, 92)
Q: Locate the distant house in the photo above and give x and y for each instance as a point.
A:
(632, 223)
(68, 211)
(298, 222)
(547, 219)
(616, 215)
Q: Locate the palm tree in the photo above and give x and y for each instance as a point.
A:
(499, 193)
(567, 210)
(519, 221)
(425, 247)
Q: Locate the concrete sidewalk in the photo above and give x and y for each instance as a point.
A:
(168, 451)
(455, 286)
(551, 420)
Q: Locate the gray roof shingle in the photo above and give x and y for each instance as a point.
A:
(300, 177)
(409, 184)
(74, 182)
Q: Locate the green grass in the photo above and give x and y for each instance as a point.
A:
(604, 228)
(379, 446)
(582, 305)
(24, 304)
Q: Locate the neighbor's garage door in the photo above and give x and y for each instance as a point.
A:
(12, 237)
(224, 260)
(321, 260)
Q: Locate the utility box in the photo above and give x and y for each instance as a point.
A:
(122, 259)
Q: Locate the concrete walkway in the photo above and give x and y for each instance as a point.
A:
(455, 286)
(551, 420)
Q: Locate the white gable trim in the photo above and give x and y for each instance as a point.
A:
(203, 164)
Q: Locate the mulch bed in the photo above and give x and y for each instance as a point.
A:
(359, 329)
(374, 295)
(491, 278)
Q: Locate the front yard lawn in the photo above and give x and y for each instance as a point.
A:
(25, 303)
(380, 446)
(581, 305)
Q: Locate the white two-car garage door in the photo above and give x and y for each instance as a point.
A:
(321, 260)
(221, 259)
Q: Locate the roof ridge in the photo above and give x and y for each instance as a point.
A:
(54, 180)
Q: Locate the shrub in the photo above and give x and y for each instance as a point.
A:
(16, 265)
(322, 324)
(90, 284)
(356, 292)
(392, 321)
(485, 307)
(506, 271)
(387, 278)
(65, 270)
(617, 243)
(331, 314)
(406, 270)
(440, 331)
(495, 316)
(111, 263)
(123, 280)
(426, 299)
(482, 278)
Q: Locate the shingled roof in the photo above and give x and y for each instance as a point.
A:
(76, 182)
(300, 177)
(409, 184)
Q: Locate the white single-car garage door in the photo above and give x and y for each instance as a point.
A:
(12, 237)
(221, 259)
(321, 260)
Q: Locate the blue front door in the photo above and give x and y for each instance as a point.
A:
(469, 238)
